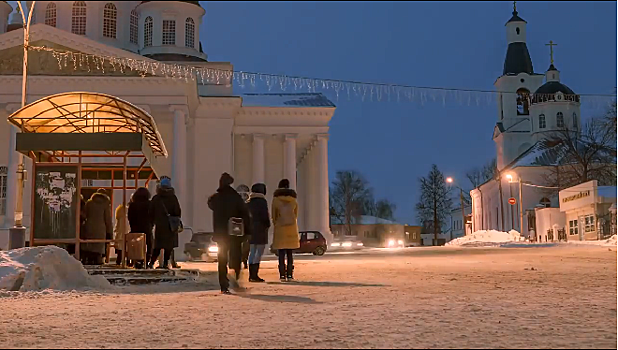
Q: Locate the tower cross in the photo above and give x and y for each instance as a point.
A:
(551, 50)
(514, 6)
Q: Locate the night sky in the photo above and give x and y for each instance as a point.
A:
(448, 44)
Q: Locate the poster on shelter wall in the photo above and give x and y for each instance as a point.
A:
(56, 202)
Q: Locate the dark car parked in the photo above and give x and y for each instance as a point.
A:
(310, 242)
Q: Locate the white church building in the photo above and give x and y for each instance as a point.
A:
(530, 106)
(205, 127)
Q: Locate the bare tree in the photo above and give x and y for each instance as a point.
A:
(589, 154)
(350, 193)
(383, 209)
(477, 176)
(436, 202)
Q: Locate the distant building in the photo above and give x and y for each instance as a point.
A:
(413, 235)
(586, 213)
(372, 231)
(457, 223)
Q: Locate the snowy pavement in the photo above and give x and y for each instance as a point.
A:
(546, 297)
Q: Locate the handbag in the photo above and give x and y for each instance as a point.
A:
(175, 221)
(236, 227)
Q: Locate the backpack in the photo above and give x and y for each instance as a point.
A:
(236, 227)
(286, 214)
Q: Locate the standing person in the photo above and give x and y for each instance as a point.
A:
(120, 229)
(260, 221)
(163, 206)
(226, 204)
(286, 237)
(139, 218)
(98, 226)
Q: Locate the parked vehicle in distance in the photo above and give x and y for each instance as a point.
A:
(310, 242)
(394, 243)
(202, 247)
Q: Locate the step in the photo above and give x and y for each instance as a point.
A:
(143, 280)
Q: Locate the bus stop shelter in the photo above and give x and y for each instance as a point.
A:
(75, 140)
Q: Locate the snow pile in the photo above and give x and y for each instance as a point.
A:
(611, 241)
(488, 238)
(41, 268)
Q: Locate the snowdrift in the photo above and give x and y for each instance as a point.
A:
(490, 238)
(41, 268)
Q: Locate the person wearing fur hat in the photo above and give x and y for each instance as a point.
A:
(260, 221)
(226, 204)
(286, 238)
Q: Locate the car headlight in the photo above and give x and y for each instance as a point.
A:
(214, 249)
(359, 244)
(336, 245)
(391, 243)
(400, 242)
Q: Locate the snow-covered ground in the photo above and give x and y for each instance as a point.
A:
(559, 297)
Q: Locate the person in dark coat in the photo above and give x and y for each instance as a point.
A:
(139, 217)
(226, 204)
(164, 204)
(260, 223)
(98, 226)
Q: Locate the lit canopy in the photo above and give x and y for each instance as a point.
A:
(88, 113)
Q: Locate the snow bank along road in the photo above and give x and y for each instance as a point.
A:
(559, 297)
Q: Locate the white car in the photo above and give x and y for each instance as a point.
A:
(395, 243)
(345, 245)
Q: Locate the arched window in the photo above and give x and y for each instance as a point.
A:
(542, 122)
(189, 33)
(109, 20)
(575, 121)
(545, 202)
(523, 102)
(560, 120)
(169, 32)
(148, 32)
(78, 23)
(50, 14)
(133, 32)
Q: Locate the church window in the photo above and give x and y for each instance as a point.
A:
(169, 32)
(3, 186)
(133, 32)
(560, 120)
(517, 30)
(542, 122)
(148, 32)
(189, 33)
(109, 21)
(50, 14)
(545, 202)
(574, 120)
(523, 102)
(78, 23)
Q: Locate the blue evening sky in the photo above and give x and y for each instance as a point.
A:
(450, 44)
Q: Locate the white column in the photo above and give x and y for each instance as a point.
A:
(179, 156)
(323, 186)
(301, 188)
(259, 170)
(289, 166)
(311, 202)
(11, 190)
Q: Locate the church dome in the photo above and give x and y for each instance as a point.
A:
(188, 2)
(552, 87)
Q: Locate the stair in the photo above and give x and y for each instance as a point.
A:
(123, 277)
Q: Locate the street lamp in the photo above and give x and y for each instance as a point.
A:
(450, 181)
(19, 230)
(521, 205)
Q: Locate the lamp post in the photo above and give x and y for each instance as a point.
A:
(450, 181)
(510, 178)
(19, 230)
(521, 204)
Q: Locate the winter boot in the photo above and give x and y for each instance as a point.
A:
(290, 275)
(282, 275)
(257, 277)
(253, 274)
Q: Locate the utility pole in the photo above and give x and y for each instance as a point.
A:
(521, 207)
(463, 213)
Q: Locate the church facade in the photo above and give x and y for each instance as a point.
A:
(531, 106)
(206, 128)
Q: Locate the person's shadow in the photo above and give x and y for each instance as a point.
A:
(279, 298)
(326, 284)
